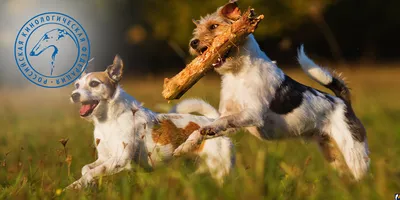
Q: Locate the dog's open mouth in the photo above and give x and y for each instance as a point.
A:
(221, 60)
(88, 107)
(202, 50)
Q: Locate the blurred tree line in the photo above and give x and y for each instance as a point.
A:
(153, 35)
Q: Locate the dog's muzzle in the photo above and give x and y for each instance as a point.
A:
(195, 44)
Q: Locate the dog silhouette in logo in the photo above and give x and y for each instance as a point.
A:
(52, 39)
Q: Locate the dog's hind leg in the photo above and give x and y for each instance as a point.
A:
(218, 156)
(332, 154)
(92, 165)
(354, 149)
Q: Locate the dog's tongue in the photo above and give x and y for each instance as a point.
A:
(85, 109)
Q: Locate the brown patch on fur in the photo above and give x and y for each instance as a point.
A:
(332, 154)
(167, 133)
(190, 127)
(97, 141)
(104, 79)
(230, 11)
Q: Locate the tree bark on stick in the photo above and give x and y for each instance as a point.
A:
(175, 87)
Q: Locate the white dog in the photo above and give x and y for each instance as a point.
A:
(125, 131)
(257, 95)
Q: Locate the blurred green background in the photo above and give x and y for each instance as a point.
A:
(358, 38)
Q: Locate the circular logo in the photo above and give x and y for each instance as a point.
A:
(52, 50)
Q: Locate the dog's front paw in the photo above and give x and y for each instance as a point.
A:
(190, 144)
(85, 169)
(84, 181)
(211, 130)
(186, 147)
(77, 185)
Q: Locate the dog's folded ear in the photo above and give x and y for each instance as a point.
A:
(230, 10)
(115, 70)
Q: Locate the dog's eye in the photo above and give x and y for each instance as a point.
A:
(77, 85)
(94, 83)
(214, 26)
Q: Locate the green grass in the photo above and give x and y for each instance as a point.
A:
(33, 161)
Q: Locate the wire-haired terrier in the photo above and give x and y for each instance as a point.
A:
(258, 96)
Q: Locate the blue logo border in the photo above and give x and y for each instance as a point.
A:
(15, 45)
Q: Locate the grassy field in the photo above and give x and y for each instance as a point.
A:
(33, 162)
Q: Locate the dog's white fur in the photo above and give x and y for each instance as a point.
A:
(250, 83)
(123, 133)
(195, 105)
(315, 72)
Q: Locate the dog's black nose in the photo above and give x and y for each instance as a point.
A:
(75, 97)
(194, 43)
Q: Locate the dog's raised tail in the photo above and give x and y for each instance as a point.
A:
(323, 76)
(196, 106)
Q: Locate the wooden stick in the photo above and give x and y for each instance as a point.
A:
(175, 87)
